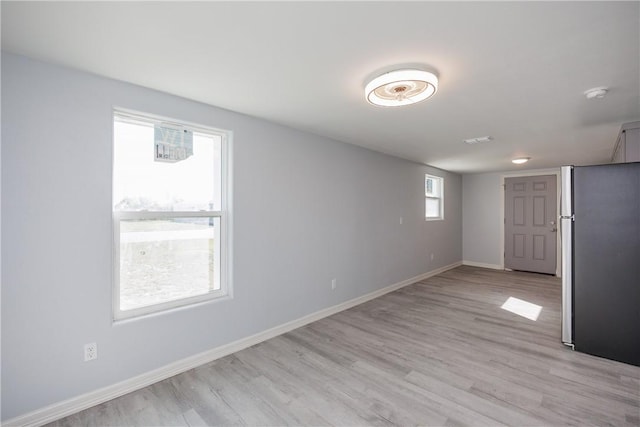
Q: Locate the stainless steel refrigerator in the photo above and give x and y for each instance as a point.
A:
(600, 226)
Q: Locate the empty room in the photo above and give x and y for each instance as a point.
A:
(320, 213)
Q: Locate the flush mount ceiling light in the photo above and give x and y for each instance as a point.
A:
(596, 93)
(401, 87)
(520, 160)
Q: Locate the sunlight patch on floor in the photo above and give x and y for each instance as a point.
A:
(522, 308)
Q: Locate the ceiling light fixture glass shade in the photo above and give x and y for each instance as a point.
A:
(401, 87)
(520, 160)
(596, 92)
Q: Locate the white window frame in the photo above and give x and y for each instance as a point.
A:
(224, 216)
(440, 182)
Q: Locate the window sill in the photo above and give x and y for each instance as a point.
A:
(170, 307)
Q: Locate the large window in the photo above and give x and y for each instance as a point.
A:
(170, 214)
(433, 197)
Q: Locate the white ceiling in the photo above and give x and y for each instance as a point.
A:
(513, 70)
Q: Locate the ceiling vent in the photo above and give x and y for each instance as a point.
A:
(478, 140)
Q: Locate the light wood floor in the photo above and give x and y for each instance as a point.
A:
(439, 352)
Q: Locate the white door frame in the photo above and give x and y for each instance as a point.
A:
(536, 172)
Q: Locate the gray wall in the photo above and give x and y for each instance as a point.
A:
(481, 220)
(306, 209)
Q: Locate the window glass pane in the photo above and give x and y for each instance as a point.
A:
(143, 182)
(432, 186)
(429, 187)
(166, 260)
(432, 208)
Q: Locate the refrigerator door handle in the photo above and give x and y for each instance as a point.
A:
(566, 232)
(567, 282)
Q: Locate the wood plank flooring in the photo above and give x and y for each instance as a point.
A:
(438, 352)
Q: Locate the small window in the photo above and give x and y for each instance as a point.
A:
(170, 214)
(434, 197)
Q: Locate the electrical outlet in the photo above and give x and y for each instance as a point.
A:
(333, 283)
(401, 220)
(90, 351)
(431, 257)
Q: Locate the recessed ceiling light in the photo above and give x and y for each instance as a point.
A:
(520, 160)
(596, 93)
(401, 87)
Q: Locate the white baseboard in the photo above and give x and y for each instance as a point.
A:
(483, 265)
(67, 407)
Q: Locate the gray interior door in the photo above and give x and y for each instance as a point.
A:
(531, 224)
